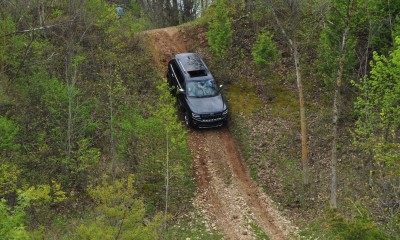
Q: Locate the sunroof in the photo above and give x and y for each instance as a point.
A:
(193, 63)
(197, 73)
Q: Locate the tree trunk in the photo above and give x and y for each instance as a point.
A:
(303, 125)
(336, 106)
(188, 13)
(4, 47)
(166, 179)
(112, 145)
(334, 149)
(296, 56)
(175, 13)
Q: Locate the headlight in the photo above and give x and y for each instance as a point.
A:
(194, 115)
(225, 112)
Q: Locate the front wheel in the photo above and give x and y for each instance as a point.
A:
(188, 120)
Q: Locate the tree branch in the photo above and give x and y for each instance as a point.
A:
(36, 29)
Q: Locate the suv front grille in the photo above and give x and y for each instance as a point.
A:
(211, 117)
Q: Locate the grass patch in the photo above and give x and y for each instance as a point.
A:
(64, 226)
(240, 131)
(258, 231)
(285, 104)
(243, 99)
(291, 176)
(254, 172)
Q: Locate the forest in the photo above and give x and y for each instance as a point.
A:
(92, 146)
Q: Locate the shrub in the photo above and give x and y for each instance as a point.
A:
(219, 35)
(264, 50)
(360, 227)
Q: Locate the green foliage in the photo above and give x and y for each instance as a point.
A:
(47, 135)
(120, 214)
(104, 16)
(12, 224)
(377, 129)
(39, 200)
(376, 13)
(8, 133)
(264, 50)
(42, 195)
(65, 75)
(83, 160)
(367, 26)
(353, 229)
(9, 176)
(163, 141)
(219, 34)
(13, 220)
(101, 13)
(330, 43)
(378, 110)
(12, 46)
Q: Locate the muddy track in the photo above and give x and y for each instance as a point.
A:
(226, 195)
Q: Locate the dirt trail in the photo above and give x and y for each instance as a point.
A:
(164, 44)
(227, 196)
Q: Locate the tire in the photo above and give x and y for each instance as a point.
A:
(188, 120)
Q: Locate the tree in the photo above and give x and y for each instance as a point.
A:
(264, 51)
(350, 8)
(13, 222)
(189, 10)
(292, 14)
(164, 161)
(219, 34)
(377, 130)
(119, 213)
(166, 112)
(165, 13)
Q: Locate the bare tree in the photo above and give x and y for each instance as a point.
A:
(290, 33)
(351, 4)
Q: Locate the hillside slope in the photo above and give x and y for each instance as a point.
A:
(226, 194)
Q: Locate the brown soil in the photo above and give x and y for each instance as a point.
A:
(228, 198)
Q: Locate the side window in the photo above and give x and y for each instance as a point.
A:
(178, 73)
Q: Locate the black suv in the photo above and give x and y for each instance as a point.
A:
(197, 92)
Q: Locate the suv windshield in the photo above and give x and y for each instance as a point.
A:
(202, 88)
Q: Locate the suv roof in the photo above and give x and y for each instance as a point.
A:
(192, 65)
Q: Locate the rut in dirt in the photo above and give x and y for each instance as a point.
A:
(228, 198)
(227, 195)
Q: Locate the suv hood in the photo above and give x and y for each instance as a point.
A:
(206, 105)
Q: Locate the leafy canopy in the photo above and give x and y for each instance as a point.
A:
(120, 214)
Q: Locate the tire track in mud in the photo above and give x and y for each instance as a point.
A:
(226, 195)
